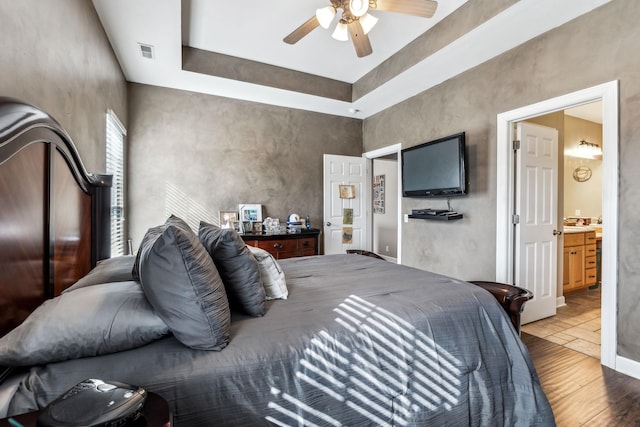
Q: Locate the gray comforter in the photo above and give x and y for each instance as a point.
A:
(359, 342)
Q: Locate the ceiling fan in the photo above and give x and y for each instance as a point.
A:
(357, 22)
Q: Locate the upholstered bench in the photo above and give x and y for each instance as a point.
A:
(510, 297)
(363, 252)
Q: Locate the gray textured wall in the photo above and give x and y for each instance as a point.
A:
(56, 56)
(195, 154)
(595, 48)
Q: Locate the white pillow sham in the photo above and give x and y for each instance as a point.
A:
(275, 285)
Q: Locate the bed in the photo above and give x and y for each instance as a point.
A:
(352, 341)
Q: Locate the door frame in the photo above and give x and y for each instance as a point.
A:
(374, 154)
(608, 94)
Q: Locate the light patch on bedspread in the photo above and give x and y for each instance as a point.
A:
(388, 374)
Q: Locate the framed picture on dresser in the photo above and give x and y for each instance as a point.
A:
(227, 219)
(250, 212)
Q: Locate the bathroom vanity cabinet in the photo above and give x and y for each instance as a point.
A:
(579, 261)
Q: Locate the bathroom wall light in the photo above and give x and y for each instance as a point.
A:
(585, 150)
(589, 150)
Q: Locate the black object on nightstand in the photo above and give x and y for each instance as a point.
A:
(155, 413)
(95, 402)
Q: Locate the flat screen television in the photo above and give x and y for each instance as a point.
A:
(435, 168)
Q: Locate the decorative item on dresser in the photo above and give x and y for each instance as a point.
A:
(286, 245)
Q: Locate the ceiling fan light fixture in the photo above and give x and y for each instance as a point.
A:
(368, 21)
(341, 32)
(325, 16)
(358, 7)
(355, 22)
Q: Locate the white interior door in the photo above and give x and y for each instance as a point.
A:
(537, 210)
(338, 235)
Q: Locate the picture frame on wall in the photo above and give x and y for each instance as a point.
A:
(250, 212)
(378, 194)
(347, 216)
(347, 191)
(347, 235)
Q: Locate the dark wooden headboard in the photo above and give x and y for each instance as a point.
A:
(54, 216)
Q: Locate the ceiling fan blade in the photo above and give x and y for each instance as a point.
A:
(304, 29)
(423, 8)
(360, 39)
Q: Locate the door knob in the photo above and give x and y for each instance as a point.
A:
(557, 233)
(328, 224)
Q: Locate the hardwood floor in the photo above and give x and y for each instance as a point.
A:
(581, 391)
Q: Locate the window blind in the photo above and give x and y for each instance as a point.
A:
(115, 166)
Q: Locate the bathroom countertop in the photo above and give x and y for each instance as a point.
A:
(577, 229)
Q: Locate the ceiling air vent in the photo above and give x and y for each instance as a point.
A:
(146, 50)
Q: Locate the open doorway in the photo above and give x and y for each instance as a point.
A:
(384, 222)
(608, 94)
(385, 199)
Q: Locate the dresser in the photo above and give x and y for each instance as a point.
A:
(286, 245)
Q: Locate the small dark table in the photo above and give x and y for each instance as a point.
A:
(156, 414)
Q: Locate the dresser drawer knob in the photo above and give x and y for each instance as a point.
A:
(278, 245)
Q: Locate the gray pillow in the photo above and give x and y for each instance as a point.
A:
(238, 268)
(116, 269)
(183, 285)
(90, 321)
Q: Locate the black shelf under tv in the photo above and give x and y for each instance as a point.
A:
(439, 217)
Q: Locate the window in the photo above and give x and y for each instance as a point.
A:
(115, 167)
